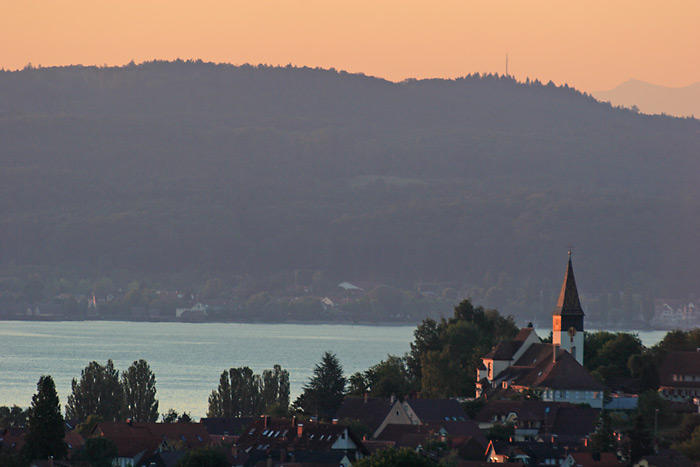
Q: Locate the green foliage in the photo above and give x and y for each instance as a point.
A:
(402, 457)
(640, 439)
(8, 459)
(472, 407)
(608, 354)
(501, 431)
(86, 426)
(691, 445)
(324, 393)
(45, 429)
(203, 458)
(242, 393)
(387, 378)
(688, 425)
(13, 417)
(603, 439)
(445, 355)
(139, 385)
(99, 392)
(655, 410)
(98, 452)
(358, 427)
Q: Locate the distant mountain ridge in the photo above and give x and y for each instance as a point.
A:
(190, 166)
(654, 99)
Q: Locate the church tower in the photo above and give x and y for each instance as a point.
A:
(567, 319)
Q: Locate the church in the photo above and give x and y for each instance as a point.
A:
(555, 370)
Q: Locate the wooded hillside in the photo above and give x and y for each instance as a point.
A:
(175, 166)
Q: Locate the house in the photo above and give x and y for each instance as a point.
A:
(375, 412)
(463, 436)
(137, 441)
(554, 370)
(541, 420)
(679, 376)
(420, 411)
(226, 430)
(288, 441)
(528, 453)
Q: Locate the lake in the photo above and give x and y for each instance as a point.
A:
(188, 358)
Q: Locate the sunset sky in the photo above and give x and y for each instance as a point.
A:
(593, 45)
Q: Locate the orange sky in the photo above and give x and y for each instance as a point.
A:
(592, 45)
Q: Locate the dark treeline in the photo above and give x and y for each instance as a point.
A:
(196, 170)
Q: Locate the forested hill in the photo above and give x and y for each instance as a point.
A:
(173, 166)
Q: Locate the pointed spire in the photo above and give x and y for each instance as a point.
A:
(568, 303)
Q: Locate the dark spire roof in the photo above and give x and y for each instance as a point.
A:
(568, 303)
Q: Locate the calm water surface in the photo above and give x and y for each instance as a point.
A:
(188, 358)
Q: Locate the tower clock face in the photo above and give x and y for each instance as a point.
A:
(572, 331)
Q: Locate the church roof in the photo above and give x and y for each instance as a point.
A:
(506, 350)
(568, 303)
(538, 369)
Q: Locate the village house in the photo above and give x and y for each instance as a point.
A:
(679, 377)
(137, 441)
(536, 420)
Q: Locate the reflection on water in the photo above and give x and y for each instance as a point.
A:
(187, 358)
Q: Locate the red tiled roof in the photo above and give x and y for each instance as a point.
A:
(134, 438)
(564, 373)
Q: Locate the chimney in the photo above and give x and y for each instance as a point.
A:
(265, 420)
(366, 396)
(335, 421)
(393, 399)
(300, 430)
(234, 451)
(129, 422)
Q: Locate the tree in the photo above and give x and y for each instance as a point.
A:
(139, 384)
(242, 393)
(14, 417)
(45, 429)
(445, 355)
(203, 458)
(99, 392)
(640, 440)
(690, 446)
(603, 439)
(386, 378)
(323, 394)
(402, 457)
(98, 452)
(170, 416)
(275, 388)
